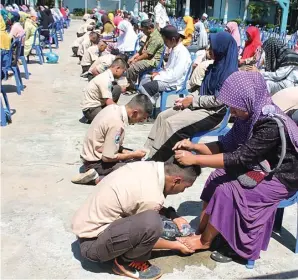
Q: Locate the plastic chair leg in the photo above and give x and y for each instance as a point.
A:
(39, 54)
(3, 115)
(296, 249)
(163, 102)
(278, 219)
(250, 264)
(24, 62)
(5, 100)
(18, 80)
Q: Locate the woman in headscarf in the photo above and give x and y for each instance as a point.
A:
(127, 38)
(200, 110)
(62, 11)
(252, 49)
(108, 27)
(111, 18)
(5, 39)
(117, 20)
(30, 27)
(244, 216)
(202, 40)
(232, 28)
(5, 43)
(189, 30)
(16, 30)
(46, 19)
(281, 66)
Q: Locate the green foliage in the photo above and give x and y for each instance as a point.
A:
(270, 26)
(81, 12)
(238, 20)
(258, 10)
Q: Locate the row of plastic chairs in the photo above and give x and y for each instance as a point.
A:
(10, 63)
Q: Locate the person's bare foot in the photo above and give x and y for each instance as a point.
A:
(193, 242)
(184, 249)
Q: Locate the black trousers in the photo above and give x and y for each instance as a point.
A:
(132, 238)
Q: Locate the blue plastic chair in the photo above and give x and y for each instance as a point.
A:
(11, 64)
(278, 222)
(23, 59)
(59, 30)
(222, 130)
(37, 47)
(181, 92)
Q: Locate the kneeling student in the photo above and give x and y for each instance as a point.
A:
(120, 221)
(102, 148)
(101, 91)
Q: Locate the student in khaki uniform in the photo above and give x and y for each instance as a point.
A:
(91, 55)
(89, 40)
(101, 91)
(103, 62)
(102, 148)
(121, 220)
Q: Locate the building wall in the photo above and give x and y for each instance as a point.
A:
(107, 5)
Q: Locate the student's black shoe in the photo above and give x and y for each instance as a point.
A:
(84, 75)
(136, 270)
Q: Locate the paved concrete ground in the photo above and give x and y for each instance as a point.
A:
(40, 153)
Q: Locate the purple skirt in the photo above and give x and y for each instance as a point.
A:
(244, 217)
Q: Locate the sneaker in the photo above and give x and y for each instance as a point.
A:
(85, 178)
(136, 270)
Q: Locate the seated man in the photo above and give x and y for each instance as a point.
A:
(173, 75)
(120, 221)
(149, 55)
(101, 91)
(91, 55)
(102, 148)
(89, 40)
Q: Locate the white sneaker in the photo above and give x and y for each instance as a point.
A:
(85, 178)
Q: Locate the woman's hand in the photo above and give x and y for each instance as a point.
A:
(185, 144)
(179, 222)
(178, 104)
(185, 158)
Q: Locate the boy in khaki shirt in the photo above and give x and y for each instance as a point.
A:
(121, 220)
(91, 55)
(102, 148)
(101, 91)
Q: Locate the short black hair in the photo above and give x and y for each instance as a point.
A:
(123, 56)
(115, 51)
(189, 173)
(143, 102)
(119, 62)
(95, 37)
(147, 23)
(125, 14)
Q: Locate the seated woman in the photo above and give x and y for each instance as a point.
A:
(30, 27)
(5, 43)
(202, 36)
(108, 26)
(244, 215)
(232, 28)
(200, 110)
(46, 19)
(16, 30)
(189, 30)
(281, 66)
(127, 37)
(252, 50)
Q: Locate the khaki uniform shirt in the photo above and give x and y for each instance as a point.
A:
(105, 134)
(97, 90)
(90, 55)
(131, 189)
(102, 63)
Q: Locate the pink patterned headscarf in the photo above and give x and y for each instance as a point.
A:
(233, 29)
(117, 20)
(247, 91)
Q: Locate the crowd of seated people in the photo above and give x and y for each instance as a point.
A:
(121, 220)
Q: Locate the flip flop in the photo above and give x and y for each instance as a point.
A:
(218, 257)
